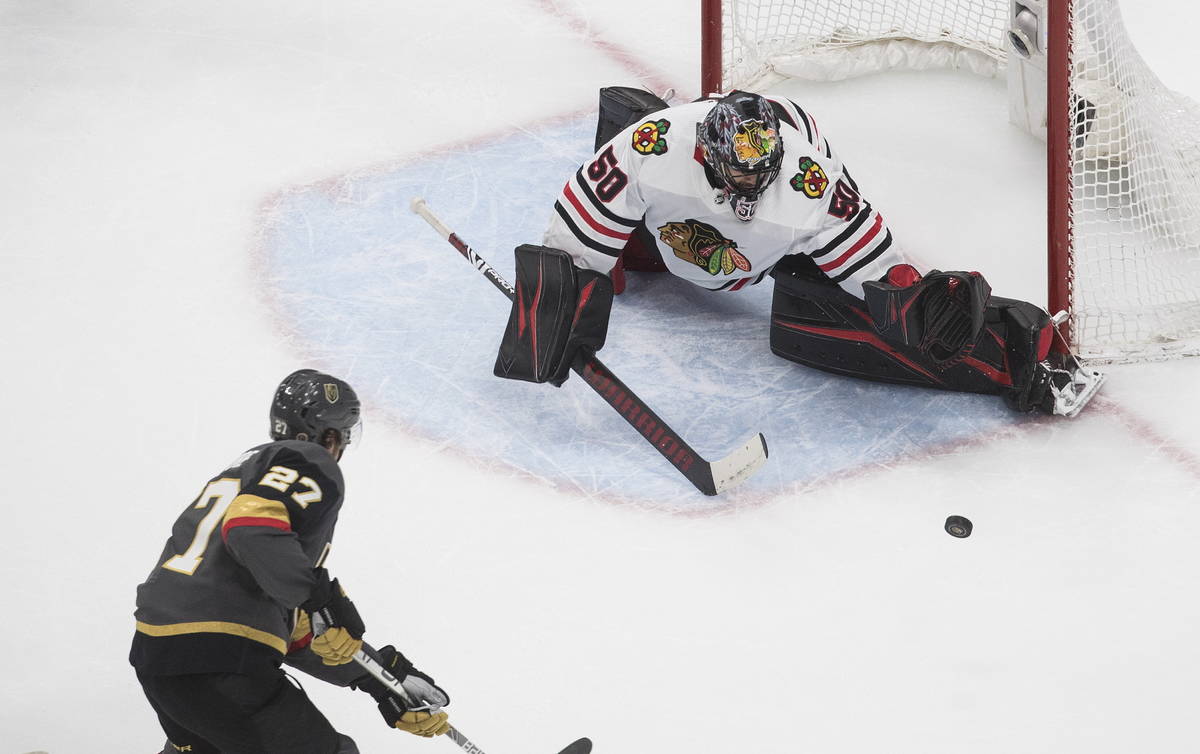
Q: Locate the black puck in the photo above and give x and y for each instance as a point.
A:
(958, 526)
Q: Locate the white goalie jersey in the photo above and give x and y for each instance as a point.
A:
(653, 173)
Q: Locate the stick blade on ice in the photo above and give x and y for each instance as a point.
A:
(582, 746)
(739, 465)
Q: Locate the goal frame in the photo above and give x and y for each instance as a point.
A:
(1058, 140)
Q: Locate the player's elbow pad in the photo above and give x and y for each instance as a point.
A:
(558, 309)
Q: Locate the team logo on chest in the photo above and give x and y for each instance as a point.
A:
(704, 246)
(649, 138)
(811, 179)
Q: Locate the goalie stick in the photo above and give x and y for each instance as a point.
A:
(368, 663)
(710, 477)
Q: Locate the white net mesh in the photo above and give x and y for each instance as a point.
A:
(827, 41)
(1135, 240)
(1135, 224)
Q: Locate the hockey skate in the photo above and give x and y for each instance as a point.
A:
(1070, 385)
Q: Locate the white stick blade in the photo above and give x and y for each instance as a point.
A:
(739, 465)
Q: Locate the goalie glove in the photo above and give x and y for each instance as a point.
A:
(421, 714)
(940, 315)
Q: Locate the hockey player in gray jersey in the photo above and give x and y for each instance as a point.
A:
(241, 584)
(726, 192)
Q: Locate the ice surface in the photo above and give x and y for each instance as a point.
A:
(376, 294)
(162, 160)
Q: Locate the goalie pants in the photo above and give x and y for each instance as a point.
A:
(231, 713)
(816, 323)
(640, 254)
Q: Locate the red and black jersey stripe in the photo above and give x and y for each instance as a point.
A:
(592, 223)
(863, 240)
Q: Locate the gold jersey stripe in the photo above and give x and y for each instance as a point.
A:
(215, 627)
(253, 506)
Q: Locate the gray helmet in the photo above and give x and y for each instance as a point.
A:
(309, 403)
(742, 146)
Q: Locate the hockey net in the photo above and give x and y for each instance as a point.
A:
(1123, 150)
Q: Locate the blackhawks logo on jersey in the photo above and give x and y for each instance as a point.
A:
(704, 246)
(811, 179)
(649, 137)
(753, 142)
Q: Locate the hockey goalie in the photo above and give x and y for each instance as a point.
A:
(728, 191)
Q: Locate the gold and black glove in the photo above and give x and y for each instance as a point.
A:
(421, 713)
(336, 625)
(416, 722)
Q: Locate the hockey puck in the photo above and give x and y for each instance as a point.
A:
(958, 526)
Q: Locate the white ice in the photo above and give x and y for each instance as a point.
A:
(145, 149)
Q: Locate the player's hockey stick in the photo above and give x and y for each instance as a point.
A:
(710, 477)
(582, 746)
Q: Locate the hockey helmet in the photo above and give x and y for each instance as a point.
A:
(742, 146)
(308, 404)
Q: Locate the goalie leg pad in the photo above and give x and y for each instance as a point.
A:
(557, 310)
(816, 323)
(940, 314)
(1027, 333)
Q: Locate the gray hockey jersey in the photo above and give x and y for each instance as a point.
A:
(240, 559)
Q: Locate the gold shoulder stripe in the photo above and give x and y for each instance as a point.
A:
(215, 627)
(253, 506)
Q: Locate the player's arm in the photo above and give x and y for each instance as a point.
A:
(854, 244)
(563, 289)
(288, 491)
(599, 207)
(291, 491)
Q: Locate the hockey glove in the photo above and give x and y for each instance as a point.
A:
(941, 314)
(421, 713)
(336, 626)
(416, 722)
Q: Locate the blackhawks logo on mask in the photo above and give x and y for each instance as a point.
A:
(704, 246)
(649, 138)
(811, 179)
(753, 142)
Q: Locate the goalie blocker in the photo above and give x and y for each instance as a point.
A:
(943, 330)
(557, 310)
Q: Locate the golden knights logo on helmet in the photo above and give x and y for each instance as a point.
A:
(331, 392)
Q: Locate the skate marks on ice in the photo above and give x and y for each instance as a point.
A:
(368, 290)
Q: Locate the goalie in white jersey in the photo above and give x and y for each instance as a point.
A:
(726, 192)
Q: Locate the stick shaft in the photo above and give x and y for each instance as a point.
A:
(600, 378)
(478, 262)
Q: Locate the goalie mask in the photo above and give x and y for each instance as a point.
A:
(742, 147)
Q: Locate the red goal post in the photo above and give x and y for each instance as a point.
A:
(1123, 152)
